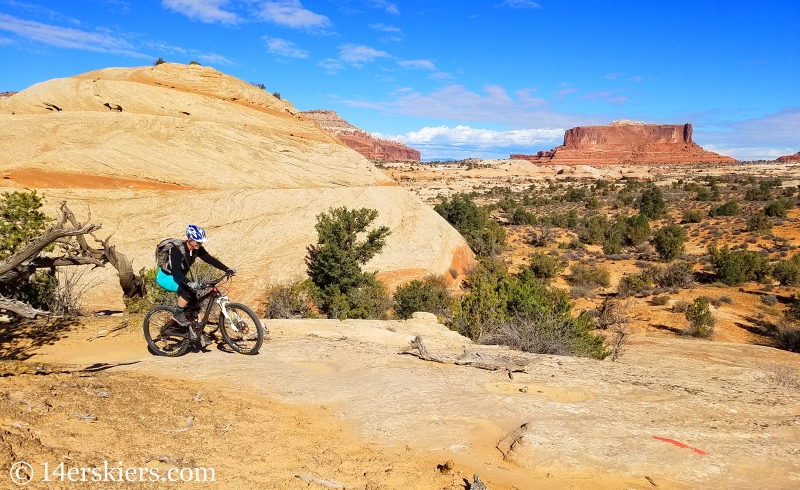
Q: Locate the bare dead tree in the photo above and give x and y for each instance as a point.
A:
(70, 236)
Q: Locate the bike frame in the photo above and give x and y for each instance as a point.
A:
(217, 298)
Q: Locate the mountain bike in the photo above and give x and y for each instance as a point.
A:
(239, 326)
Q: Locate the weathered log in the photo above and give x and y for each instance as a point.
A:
(19, 308)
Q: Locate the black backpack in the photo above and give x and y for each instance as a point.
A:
(163, 249)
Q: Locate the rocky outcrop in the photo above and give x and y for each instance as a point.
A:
(5, 95)
(627, 142)
(150, 149)
(790, 158)
(360, 140)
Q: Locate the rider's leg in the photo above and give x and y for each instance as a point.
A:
(184, 295)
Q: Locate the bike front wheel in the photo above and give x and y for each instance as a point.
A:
(164, 336)
(241, 330)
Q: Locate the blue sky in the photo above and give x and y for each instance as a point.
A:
(456, 79)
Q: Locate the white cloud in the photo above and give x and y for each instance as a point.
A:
(417, 64)
(282, 47)
(383, 4)
(521, 4)
(440, 75)
(479, 138)
(762, 138)
(331, 65)
(456, 103)
(384, 28)
(357, 54)
(750, 153)
(611, 96)
(212, 58)
(202, 10)
(291, 13)
(64, 37)
(4, 41)
(637, 78)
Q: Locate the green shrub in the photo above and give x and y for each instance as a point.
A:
(669, 241)
(544, 266)
(734, 268)
(777, 208)
(594, 229)
(593, 203)
(522, 217)
(787, 272)
(637, 230)
(760, 193)
(159, 61)
(292, 300)
(638, 284)
(676, 275)
(589, 276)
(371, 300)
(759, 223)
(193, 62)
(787, 336)
(334, 263)
(652, 204)
(730, 208)
(693, 216)
(430, 294)
(484, 235)
(660, 300)
(701, 322)
(20, 220)
(523, 313)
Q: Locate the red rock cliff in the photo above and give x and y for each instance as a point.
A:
(790, 158)
(626, 142)
(360, 140)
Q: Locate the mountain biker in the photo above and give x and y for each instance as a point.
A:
(181, 258)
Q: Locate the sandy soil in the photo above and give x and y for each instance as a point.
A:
(336, 401)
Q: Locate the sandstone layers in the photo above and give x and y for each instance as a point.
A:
(360, 140)
(5, 95)
(151, 149)
(790, 158)
(626, 143)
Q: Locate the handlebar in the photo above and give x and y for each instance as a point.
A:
(211, 284)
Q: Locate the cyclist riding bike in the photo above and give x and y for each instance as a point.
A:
(172, 276)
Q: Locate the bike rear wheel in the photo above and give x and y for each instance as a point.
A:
(242, 330)
(164, 336)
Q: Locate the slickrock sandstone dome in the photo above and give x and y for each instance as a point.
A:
(360, 140)
(790, 158)
(151, 149)
(627, 142)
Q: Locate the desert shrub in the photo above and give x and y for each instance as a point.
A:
(575, 194)
(787, 272)
(726, 300)
(291, 300)
(484, 235)
(193, 62)
(651, 203)
(787, 336)
(680, 306)
(693, 216)
(334, 263)
(759, 223)
(676, 275)
(522, 217)
(589, 276)
(21, 220)
(593, 203)
(638, 284)
(637, 230)
(769, 299)
(522, 312)
(430, 294)
(701, 322)
(777, 208)
(760, 193)
(594, 229)
(370, 300)
(277, 95)
(544, 266)
(566, 220)
(660, 300)
(159, 61)
(730, 208)
(36, 291)
(669, 242)
(736, 268)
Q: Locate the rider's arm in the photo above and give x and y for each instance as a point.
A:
(176, 259)
(206, 257)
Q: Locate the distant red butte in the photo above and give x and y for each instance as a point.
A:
(626, 143)
(360, 140)
(790, 158)
(5, 95)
